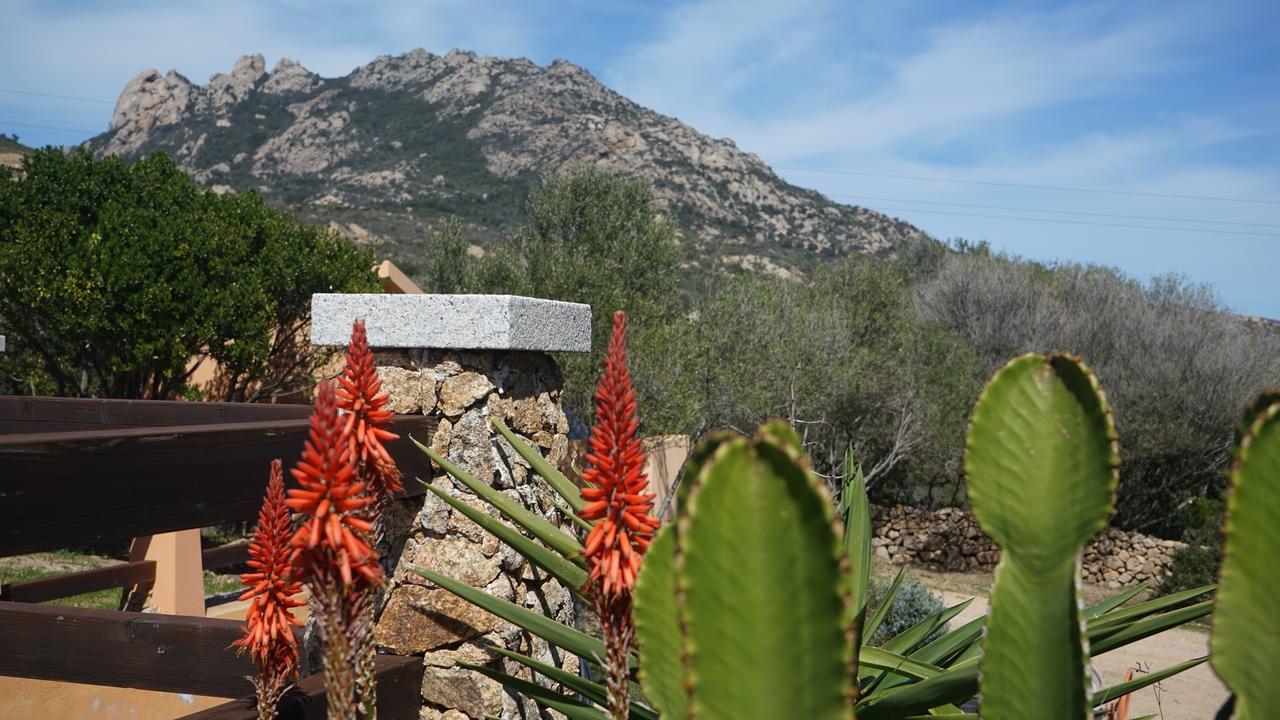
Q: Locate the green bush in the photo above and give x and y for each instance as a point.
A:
(913, 603)
(113, 276)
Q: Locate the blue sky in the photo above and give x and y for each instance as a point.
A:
(1150, 131)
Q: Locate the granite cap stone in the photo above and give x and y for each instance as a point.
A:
(460, 322)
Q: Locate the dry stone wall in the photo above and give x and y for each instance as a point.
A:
(466, 390)
(950, 539)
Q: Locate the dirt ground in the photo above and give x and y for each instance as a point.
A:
(1192, 695)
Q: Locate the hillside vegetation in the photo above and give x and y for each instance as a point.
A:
(405, 144)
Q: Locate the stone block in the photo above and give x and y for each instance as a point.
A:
(464, 322)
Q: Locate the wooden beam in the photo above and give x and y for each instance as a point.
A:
(399, 696)
(123, 649)
(233, 553)
(79, 488)
(62, 586)
(48, 414)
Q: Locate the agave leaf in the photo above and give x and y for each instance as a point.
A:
(561, 636)
(657, 628)
(1042, 464)
(952, 686)
(1150, 607)
(951, 644)
(856, 510)
(572, 577)
(909, 638)
(876, 659)
(1246, 623)
(547, 698)
(561, 484)
(594, 692)
(759, 567)
(1128, 686)
(1108, 639)
(1114, 601)
(537, 526)
(882, 611)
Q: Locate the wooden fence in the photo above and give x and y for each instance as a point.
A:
(79, 472)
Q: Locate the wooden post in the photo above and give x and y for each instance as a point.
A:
(664, 456)
(179, 585)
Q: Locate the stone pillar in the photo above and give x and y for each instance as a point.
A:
(467, 359)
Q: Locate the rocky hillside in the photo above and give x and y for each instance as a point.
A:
(12, 152)
(389, 151)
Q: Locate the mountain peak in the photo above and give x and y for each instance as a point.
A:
(409, 140)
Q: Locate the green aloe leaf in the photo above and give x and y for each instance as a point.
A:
(1246, 621)
(1144, 609)
(571, 576)
(561, 636)
(1114, 601)
(758, 558)
(595, 692)
(547, 698)
(856, 511)
(909, 638)
(657, 627)
(951, 644)
(880, 660)
(948, 687)
(537, 526)
(1041, 461)
(1128, 686)
(882, 610)
(561, 484)
(1110, 638)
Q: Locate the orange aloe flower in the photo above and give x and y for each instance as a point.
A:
(333, 533)
(272, 592)
(617, 492)
(365, 422)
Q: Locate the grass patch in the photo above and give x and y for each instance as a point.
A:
(37, 566)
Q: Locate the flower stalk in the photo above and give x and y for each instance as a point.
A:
(618, 501)
(272, 592)
(365, 422)
(332, 551)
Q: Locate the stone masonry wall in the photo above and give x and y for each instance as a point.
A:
(950, 539)
(466, 390)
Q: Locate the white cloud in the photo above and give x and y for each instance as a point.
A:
(93, 50)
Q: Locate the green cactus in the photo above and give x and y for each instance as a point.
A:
(746, 605)
(1249, 584)
(1042, 463)
(759, 614)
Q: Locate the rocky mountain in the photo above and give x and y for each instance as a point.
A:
(391, 150)
(12, 152)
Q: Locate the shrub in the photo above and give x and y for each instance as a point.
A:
(913, 603)
(1176, 363)
(114, 276)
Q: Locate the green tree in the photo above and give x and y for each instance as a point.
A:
(592, 237)
(113, 276)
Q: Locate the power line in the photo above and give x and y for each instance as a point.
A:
(1056, 212)
(51, 127)
(1080, 222)
(1058, 188)
(50, 123)
(56, 97)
